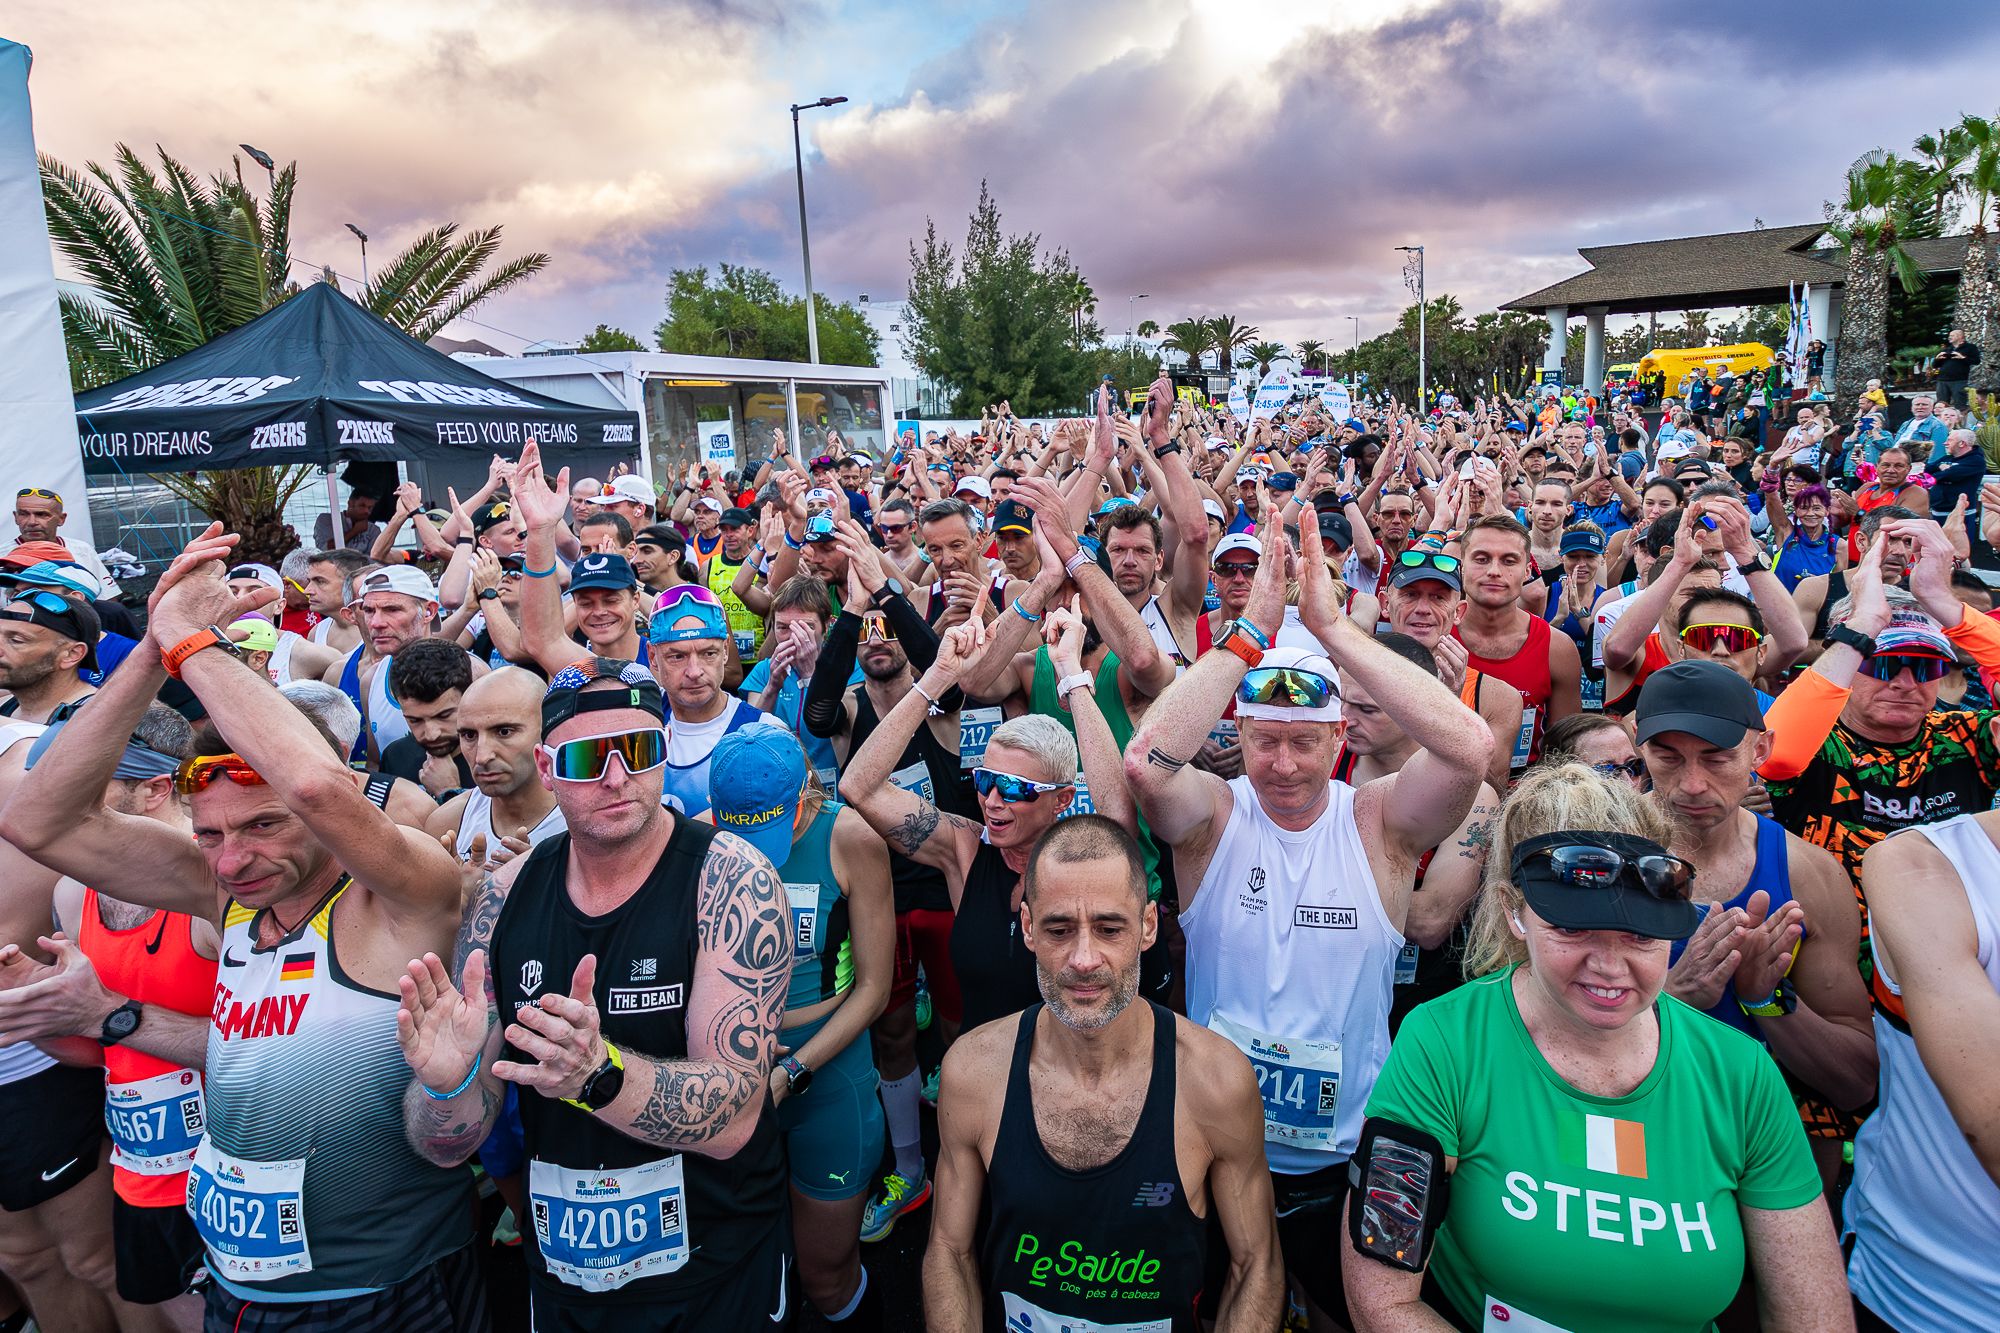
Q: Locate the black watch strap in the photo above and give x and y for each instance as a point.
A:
(1853, 638)
(1756, 564)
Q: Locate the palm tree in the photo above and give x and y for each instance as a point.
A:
(1263, 354)
(1083, 304)
(1874, 215)
(1192, 338)
(1939, 156)
(1977, 294)
(1230, 337)
(1311, 350)
(174, 260)
(1149, 328)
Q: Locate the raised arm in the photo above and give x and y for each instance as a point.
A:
(914, 826)
(542, 631)
(1625, 645)
(1781, 613)
(1103, 767)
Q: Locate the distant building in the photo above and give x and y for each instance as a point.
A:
(470, 349)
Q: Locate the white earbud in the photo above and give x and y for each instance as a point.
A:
(1515, 917)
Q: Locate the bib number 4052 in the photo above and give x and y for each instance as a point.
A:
(232, 1215)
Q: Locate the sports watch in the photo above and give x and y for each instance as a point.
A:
(120, 1023)
(488, 594)
(798, 1074)
(1782, 1000)
(1756, 564)
(890, 588)
(604, 1084)
(1853, 638)
(1241, 639)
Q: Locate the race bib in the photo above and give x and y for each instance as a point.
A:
(1224, 732)
(975, 729)
(155, 1123)
(1080, 804)
(1299, 1081)
(598, 1230)
(1524, 741)
(1504, 1318)
(1406, 964)
(1593, 693)
(251, 1215)
(804, 900)
(915, 779)
(746, 642)
(1026, 1317)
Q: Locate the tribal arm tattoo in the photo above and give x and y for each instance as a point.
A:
(709, 1102)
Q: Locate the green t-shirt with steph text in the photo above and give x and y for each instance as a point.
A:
(1593, 1214)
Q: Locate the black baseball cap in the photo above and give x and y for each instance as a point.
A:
(602, 569)
(1702, 698)
(77, 620)
(1336, 529)
(491, 515)
(1591, 880)
(1012, 516)
(737, 518)
(663, 535)
(1408, 574)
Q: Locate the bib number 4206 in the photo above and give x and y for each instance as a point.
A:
(602, 1228)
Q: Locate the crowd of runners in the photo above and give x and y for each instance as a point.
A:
(1489, 866)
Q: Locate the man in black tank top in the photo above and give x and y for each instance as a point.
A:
(638, 967)
(1117, 1131)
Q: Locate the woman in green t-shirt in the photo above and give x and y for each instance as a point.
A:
(1614, 1155)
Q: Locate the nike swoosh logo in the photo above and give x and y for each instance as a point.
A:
(227, 961)
(784, 1266)
(51, 1175)
(158, 935)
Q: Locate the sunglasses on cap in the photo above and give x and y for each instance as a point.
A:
(1583, 865)
(1633, 768)
(1013, 790)
(876, 627)
(195, 775)
(1286, 687)
(1437, 560)
(37, 493)
(41, 598)
(1225, 569)
(1923, 670)
(513, 564)
(586, 758)
(1731, 638)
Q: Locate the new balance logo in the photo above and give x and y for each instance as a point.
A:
(1154, 1194)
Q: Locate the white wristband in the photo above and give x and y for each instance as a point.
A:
(1080, 680)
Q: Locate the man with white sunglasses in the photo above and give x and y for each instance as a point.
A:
(638, 966)
(1295, 888)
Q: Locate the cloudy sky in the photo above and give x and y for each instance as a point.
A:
(1254, 157)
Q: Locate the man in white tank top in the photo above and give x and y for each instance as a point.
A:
(1295, 888)
(1924, 1209)
(508, 810)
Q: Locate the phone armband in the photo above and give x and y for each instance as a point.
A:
(1400, 1192)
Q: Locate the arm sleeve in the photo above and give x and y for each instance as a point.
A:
(920, 645)
(1801, 718)
(1979, 637)
(1778, 1170)
(822, 710)
(1417, 1087)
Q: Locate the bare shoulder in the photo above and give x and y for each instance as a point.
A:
(1214, 1076)
(1816, 870)
(973, 1081)
(733, 864)
(447, 817)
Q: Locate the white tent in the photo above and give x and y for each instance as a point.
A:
(38, 444)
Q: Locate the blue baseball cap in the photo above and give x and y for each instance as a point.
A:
(602, 569)
(756, 778)
(1582, 539)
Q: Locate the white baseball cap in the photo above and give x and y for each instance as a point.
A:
(977, 485)
(709, 502)
(262, 573)
(1237, 541)
(630, 487)
(1214, 511)
(405, 579)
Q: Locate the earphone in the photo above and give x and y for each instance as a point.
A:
(1515, 917)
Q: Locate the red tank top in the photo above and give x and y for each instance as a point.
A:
(1527, 671)
(154, 963)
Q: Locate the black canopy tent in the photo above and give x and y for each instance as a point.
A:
(320, 380)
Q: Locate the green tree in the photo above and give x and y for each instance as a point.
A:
(1192, 338)
(743, 312)
(1149, 328)
(1312, 352)
(1977, 310)
(1130, 367)
(1263, 354)
(1879, 206)
(1231, 338)
(604, 338)
(999, 319)
(174, 260)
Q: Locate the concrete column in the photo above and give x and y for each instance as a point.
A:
(1593, 350)
(1825, 324)
(1558, 316)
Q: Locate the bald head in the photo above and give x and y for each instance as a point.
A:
(499, 726)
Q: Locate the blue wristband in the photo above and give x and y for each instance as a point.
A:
(1024, 613)
(470, 1075)
(539, 573)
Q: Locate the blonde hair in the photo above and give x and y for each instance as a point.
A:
(1550, 797)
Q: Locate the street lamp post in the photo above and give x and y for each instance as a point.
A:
(1354, 323)
(265, 160)
(364, 253)
(1418, 252)
(1131, 309)
(805, 245)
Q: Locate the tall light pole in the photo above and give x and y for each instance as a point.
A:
(1131, 309)
(264, 160)
(1354, 323)
(1417, 253)
(805, 245)
(364, 253)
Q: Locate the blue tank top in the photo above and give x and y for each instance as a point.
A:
(822, 949)
(1773, 874)
(684, 787)
(1799, 560)
(350, 685)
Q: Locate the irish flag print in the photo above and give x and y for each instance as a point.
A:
(1601, 1143)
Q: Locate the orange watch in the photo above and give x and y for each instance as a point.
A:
(1238, 641)
(210, 637)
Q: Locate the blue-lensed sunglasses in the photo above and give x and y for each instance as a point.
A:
(1013, 790)
(53, 602)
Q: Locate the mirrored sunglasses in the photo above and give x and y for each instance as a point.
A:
(1587, 866)
(1013, 790)
(1429, 560)
(587, 758)
(196, 774)
(1923, 670)
(1286, 687)
(1731, 638)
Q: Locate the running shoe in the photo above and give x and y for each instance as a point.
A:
(923, 1008)
(929, 1092)
(898, 1196)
